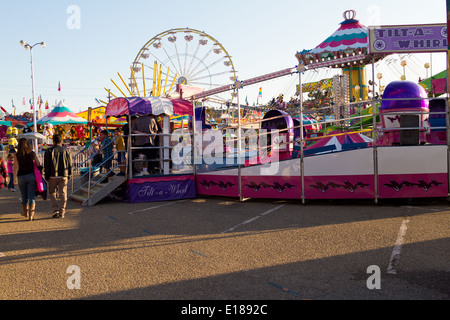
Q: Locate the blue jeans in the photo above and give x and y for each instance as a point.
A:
(27, 186)
(11, 180)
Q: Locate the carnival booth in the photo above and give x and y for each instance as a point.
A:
(4, 125)
(404, 114)
(61, 115)
(155, 187)
(63, 121)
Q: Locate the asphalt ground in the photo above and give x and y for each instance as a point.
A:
(222, 249)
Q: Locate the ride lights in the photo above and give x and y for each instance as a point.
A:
(301, 68)
(238, 84)
(27, 46)
(427, 66)
(403, 63)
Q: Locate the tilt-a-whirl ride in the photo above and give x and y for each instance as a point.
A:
(394, 145)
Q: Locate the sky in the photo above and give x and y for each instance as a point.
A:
(89, 42)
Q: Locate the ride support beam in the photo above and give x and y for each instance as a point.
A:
(248, 82)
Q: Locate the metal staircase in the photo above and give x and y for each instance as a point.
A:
(87, 188)
(90, 195)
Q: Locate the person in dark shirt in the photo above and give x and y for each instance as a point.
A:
(25, 178)
(58, 171)
(107, 151)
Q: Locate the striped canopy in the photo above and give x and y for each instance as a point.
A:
(346, 45)
(150, 105)
(339, 139)
(351, 35)
(61, 115)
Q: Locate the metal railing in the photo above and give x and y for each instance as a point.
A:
(83, 180)
(370, 128)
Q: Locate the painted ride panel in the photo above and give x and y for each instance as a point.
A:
(340, 175)
(219, 183)
(161, 188)
(403, 172)
(413, 171)
(280, 180)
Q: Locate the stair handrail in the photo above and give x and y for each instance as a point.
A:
(97, 166)
(89, 183)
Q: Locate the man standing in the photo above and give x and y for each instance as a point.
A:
(107, 151)
(58, 170)
(120, 147)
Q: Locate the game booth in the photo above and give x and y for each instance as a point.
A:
(165, 186)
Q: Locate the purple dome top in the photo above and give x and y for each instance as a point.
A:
(407, 90)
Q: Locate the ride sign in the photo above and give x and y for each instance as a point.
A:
(408, 38)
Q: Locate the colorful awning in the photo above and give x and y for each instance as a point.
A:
(351, 35)
(5, 123)
(347, 45)
(151, 105)
(61, 115)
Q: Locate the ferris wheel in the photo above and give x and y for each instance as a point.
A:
(183, 56)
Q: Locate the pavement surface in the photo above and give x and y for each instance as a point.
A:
(223, 249)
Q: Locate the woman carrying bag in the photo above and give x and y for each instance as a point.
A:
(24, 161)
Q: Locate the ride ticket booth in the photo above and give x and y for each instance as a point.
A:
(155, 187)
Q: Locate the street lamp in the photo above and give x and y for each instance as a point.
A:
(30, 47)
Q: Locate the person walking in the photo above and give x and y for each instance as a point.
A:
(58, 171)
(3, 173)
(10, 168)
(107, 152)
(24, 161)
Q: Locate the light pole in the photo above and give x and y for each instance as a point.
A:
(30, 47)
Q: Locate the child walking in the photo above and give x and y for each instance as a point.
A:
(10, 167)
